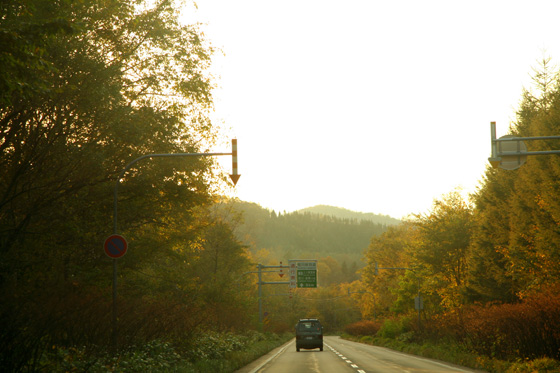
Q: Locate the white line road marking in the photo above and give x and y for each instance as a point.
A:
(272, 357)
(346, 360)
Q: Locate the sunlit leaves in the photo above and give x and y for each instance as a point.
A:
(517, 240)
(86, 87)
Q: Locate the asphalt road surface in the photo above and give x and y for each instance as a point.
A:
(342, 356)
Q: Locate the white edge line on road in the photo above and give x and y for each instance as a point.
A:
(455, 368)
(272, 357)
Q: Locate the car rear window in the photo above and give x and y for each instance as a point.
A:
(309, 325)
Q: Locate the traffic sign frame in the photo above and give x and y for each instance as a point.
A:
(115, 246)
(303, 273)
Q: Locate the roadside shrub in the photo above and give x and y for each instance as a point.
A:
(154, 356)
(394, 327)
(363, 327)
(543, 365)
(214, 352)
(368, 339)
(214, 345)
(528, 330)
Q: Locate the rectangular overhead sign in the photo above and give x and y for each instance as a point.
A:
(303, 273)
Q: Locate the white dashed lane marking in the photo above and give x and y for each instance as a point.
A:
(346, 360)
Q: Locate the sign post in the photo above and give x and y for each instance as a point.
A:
(261, 282)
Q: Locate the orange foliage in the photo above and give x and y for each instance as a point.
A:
(530, 329)
(363, 327)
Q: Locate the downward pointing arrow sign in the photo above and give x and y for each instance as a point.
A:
(234, 178)
(234, 175)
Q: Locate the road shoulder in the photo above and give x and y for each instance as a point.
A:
(263, 360)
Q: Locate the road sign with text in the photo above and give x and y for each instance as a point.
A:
(303, 273)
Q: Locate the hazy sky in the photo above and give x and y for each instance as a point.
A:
(374, 106)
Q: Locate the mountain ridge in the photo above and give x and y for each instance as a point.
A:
(343, 213)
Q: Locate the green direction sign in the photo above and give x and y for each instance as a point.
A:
(306, 274)
(307, 278)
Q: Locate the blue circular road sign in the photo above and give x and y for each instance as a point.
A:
(115, 246)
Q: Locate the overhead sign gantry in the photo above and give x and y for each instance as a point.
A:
(510, 152)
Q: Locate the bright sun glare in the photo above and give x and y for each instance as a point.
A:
(372, 106)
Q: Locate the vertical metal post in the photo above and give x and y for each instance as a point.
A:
(494, 159)
(259, 266)
(419, 307)
(114, 318)
(494, 144)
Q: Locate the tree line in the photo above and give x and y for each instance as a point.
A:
(270, 237)
(85, 88)
(291, 235)
(501, 246)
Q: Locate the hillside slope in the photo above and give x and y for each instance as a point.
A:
(306, 233)
(342, 213)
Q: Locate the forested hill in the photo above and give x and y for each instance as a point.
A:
(300, 234)
(341, 213)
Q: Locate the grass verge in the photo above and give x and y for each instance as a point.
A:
(235, 360)
(219, 353)
(454, 353)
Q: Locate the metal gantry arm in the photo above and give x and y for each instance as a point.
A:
(498, 154)
(172, 155)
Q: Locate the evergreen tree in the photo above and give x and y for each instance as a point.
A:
(516, 247)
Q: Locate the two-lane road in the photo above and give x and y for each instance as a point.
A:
(340, 356)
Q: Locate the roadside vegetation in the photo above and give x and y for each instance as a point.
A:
(500, 338)
(212, 352)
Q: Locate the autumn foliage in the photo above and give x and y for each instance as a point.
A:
(363, 327)
(529, 329)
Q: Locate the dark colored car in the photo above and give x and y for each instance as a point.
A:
(309, 334)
